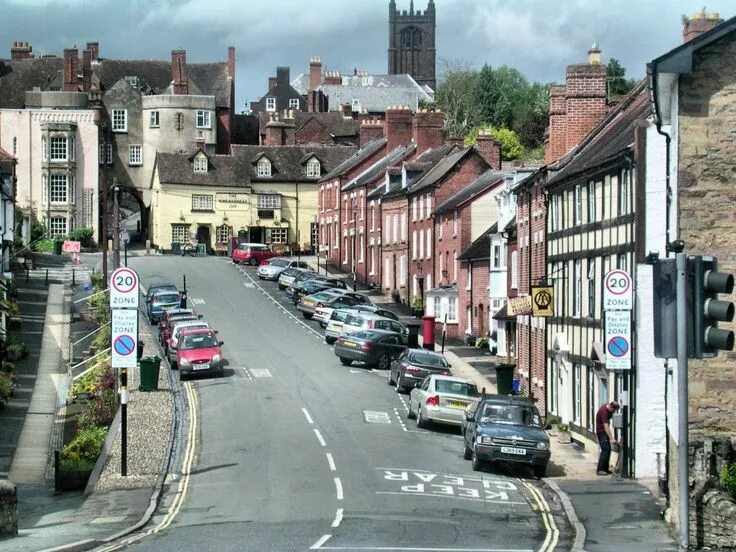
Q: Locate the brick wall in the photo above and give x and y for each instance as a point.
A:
(393, 250)
(557, 124)
(477, 298)
(313, 133)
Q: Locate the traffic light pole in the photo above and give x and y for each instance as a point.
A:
(682, 402)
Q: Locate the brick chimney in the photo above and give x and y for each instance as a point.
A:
(429, 130)
(179, 72)
(231, 62)
(316, 101)
(698, 24)
(282, 76)
(94, 47)
(333, 77)
(557, 139)
(315, 72)
(86, 70)
(199, 143)
(289, 128)
(21, 50)
(489, 149)
(280, 133)
(347, 110)
(370, 130)
(399, 126)
(71, 69)
(271, 83)
(456, 141)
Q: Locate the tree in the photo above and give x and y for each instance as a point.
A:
(532, 116)
(511, 147)
(456, 96)
(618, 84)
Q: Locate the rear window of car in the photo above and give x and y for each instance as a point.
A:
(352, 320)
(280, 262)
(428, 360)
(339, 315)
(456, 388)
(165, 298)
(361, 335)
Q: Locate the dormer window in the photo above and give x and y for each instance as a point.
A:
(270, 104)
(263, 168)
(313, 168)
(132, 80)
(293, 103)
(355, 104)
(200, 164)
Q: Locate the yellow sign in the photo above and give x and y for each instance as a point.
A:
(542, 301)
(519, 305)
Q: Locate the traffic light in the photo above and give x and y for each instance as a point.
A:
(707, 310)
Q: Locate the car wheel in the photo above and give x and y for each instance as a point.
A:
(421, 422)
(307, 315)
(390, 378)
(475, 462)
(400, 388)
(322, 325)
(384, 362)
(253, 262)
(539, 471)
(467, 451)
(410, 414)
(330, 340)
(346, 361)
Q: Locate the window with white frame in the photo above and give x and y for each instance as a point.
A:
(180, 233)
(44, 189)
(313, 168)
(441, 226)
(591, 201)
(355, 104)
(469, 272)
(623, 193)
(592, 403)
(270, 104)
(452, 309)
(263, 168)
(132, 80)
(454, 266)
(421, 208)
(496, 255)
(58, 148)
(577, 390)
(429, 243)
(373, 216)
(202, 202)
(224, 233)
(200, 164)
(59, 189)
(421, 244)
(135, 155)
(105, 154)
(293, 103)
(277, 235)
(514, 270)
(337, 198)
(396, 229)
(58, 226)
(429, 204)
(591, 288)
(414, 242)
(404, 226)
(361, 260)
(204, 118)
(373, 260)
(414, 202)
(454, 223)
(621, 262)
(578, 204)
(554, 213)
(154, 120)
(553, 388)
(387, 228)
(268, 201)
(44, 149)
(577, 279)
(436, 307)
(402, 270)
(120, 120)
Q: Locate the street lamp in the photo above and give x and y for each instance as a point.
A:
(420, 281)
(444, 274)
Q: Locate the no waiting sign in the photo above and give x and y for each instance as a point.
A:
(617, 291)
(618, 340)
(124, 289)
(124, 338)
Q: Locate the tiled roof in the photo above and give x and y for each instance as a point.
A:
(356, 159)
(440, 169)
(333, 122)
(613, 137)
(485, 181)
(394, 187)
(481, 247)
(224, 170)
(379, 167)
(287, 160)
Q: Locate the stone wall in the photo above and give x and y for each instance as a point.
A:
(8, 509)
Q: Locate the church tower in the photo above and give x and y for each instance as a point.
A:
(411, 43)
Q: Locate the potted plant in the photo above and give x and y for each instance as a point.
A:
(563, 434)
(417, 305)
(74, 464)
(15, 349)
(6, 388)
(396, 296)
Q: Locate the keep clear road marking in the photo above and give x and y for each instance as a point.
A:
(373, 417)
(197, 301)
(249, 285)
(261, 373)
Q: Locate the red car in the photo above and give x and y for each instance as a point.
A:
(252, 253)
(199, 353)
(165, 331)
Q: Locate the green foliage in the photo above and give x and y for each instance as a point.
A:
(456, 97)
(511, 147)
(416, 302)
(481, 342)
(82, 452)
(94, 380)
(6, 387)
(99, 411)
(83, 235)
(7, 368)
(103, 339)
(618, 84)
(563, 427)
(728, 478)
(38, 230)
(553, 420)
(99, 306)
(44, 246)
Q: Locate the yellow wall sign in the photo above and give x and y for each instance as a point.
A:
(542, 301)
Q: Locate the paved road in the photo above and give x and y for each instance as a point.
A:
(293, 451)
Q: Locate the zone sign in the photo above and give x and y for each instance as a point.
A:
(124, 289)
(617, 291)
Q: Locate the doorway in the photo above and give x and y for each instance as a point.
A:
(256, 234)
(203, 236)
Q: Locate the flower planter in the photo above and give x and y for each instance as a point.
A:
(15, 323)
(564, 438)
(14, 352)
(68, 480)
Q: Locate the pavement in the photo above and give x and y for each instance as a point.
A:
(607, 513)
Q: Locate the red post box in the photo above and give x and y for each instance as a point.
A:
(428, 332)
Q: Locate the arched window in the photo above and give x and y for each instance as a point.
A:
(411, 37)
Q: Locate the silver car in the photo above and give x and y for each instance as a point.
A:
(442, 399)
(276, 266)
(334, 324)
(288, 275)
(368, 321)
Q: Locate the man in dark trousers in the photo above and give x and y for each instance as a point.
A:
(605, 436)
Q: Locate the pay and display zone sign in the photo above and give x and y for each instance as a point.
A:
(618, 340)
(124, 338)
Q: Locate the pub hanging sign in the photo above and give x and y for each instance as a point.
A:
(543, 301)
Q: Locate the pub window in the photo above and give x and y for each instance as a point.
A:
(200, 164)
(591, 288)
(277, 235)
(623, 193)
(578, 204)
(202, 202)
(313, 168)
(577, 279)
(204, 118)
(180, 233)
(224, 233)
(268, 201)
(264, 167)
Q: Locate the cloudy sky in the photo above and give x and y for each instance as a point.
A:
(538, 37)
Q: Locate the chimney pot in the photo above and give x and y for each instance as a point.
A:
(179, 72)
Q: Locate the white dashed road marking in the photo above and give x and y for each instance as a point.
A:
(338, 518)
(338, 488)
(261, 373)
(306, 415)
(320, 438)
(331, 462)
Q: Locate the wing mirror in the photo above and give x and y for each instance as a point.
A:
(418, 384)
(200, 316)
(221, 343)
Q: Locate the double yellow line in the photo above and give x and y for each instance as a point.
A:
(553, 533)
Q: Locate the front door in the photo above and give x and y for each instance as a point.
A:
(203, 236)
(256, 234)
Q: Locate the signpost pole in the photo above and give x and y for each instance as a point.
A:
(683, 439)
(444, 333)
(116, 228)
(123, 422)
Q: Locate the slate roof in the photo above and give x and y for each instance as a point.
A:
(609, 140)
(440, 169)
(481, 247)
(224, 170)
(419, 166)
(333, 122)
(288, 161)
(356, 159)
(379, 167)
(154, 76)
(478, 186)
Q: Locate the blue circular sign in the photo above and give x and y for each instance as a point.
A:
(124, 345)
(618, 346)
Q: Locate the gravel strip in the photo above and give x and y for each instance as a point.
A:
(150, 427)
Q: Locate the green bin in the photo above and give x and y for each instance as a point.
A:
(57, 247)
(505, 379)
(149, 373)
(201, 249)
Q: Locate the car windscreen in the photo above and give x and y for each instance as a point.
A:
(428, 360)
(354, 321)
(181, 328)
(165, 298)
(456, 388)
(279, 262)
(510, 414)
(198, 341)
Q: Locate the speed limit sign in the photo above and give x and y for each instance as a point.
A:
(617, 291)
(124, 289)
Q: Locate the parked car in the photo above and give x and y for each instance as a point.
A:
(323, 309)
(159, 286)
(309, 303)
(413, 366)
(314, 285)
(442, 399)
(300, 278)
(174, 312)
(160, 301)
(289, 275)
(252, 253)
(276, 265)
(358, 320)
(199, 352)
(173, 341)
(377, 310)
(334, 324)
(374, 347)
(505, 428)
(172, 320)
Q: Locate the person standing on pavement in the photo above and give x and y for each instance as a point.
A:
(605, 435)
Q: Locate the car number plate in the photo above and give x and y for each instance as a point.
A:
(200, 367)
(349, 344)
(512, 450)
(458, 404)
